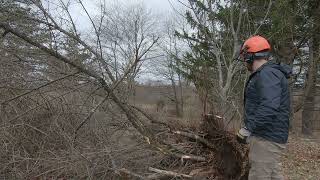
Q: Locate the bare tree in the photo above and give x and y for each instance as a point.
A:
(129, 36)
(166, 66)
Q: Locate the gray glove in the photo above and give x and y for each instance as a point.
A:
(242, 135)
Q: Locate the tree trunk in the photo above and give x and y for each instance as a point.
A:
(181, 95)
(310, 90)
(175, 94)
(286, 54)
(308, 112)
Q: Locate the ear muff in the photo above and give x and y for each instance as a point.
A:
(250, 57)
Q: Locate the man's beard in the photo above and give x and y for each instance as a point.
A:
(249, 66)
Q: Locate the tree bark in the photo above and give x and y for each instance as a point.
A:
(310, 90)
(176, 99)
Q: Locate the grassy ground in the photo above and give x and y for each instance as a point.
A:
(302, 159)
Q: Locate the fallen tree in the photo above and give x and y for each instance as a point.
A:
(223, 156)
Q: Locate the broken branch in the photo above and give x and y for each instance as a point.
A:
(169, 173)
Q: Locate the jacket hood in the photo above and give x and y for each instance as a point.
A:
(284, 68)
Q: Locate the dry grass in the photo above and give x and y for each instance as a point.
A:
(41, 143)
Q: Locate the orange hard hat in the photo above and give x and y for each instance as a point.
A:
(254, 48)
(255, 44)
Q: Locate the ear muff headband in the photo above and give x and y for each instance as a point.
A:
(250, 57)
(262, 55)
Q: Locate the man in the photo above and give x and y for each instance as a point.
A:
(267, 109)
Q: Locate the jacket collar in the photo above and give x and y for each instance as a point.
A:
(260, 68)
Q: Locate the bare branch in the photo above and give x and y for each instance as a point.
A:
(169, 173)
(89, 116)
(95, 28)
(265, 16)
(75, 37)
(35, 89)
(130, 173)
(41, 104)
(70, 17)
(195, 137)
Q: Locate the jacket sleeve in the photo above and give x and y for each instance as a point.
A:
(269, 94)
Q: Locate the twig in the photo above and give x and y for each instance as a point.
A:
(66, 8)
(51, 52)
(265, 17)
(191, 157)
(149, 117)
(41, 104)
(75, 37)
(35, 89)
(105, 98)
(89, 116)
(126, 171)
(169, 173)
(195, 137)
(94, 27)
(49, 171)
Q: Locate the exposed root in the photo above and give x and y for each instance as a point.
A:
(225, 157)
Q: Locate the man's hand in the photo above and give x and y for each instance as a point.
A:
(242, 135)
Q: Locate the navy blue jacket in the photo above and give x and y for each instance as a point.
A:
(267, 102)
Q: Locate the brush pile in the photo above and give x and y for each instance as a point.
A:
(214, 154)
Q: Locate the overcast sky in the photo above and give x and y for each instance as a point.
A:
(157, 7)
